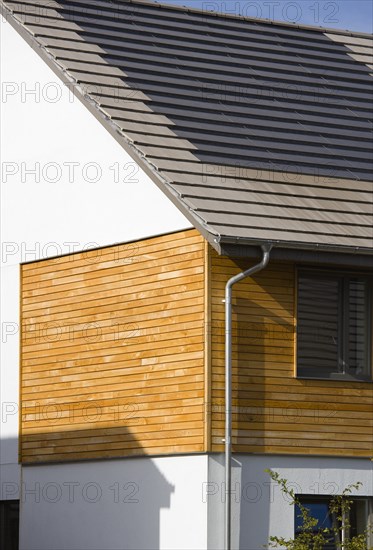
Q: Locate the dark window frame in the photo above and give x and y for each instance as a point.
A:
(326, 499)
(343, 275)
(9, 524)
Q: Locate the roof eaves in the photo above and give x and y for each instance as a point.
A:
(315, 247)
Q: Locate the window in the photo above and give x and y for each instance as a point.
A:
(9, 524)
(334, 325)
(360, 518)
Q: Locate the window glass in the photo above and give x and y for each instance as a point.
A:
(319, 311)
(355, 524)
(334, 326)
(358, 314)
(318, 510)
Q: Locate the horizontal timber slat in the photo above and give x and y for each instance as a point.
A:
(161, 384)
(181, 447)
(110, 256)
(130, 362)
(71, 375)
(133, 342)
(295, 450)
(101, 312)
(146, 370)
(74, 295)
(148, 269)
(104, 355)
(115, 441)
(137, 384)
(272, 410)
(38, 285)
(296, 395)
(112, 414)
(115, 446)
(142, 390)
(296, 442)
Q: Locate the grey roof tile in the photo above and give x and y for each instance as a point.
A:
(257, 130)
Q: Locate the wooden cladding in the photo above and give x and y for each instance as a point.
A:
(123, 354)
(274, 412)
(113, 351)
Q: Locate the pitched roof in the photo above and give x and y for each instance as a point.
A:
(258, 131)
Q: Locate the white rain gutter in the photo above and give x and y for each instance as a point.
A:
(266, 250)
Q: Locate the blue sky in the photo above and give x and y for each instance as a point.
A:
(355, 15)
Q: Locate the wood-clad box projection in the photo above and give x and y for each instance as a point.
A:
(273, 410)
(113, 351)
(123, 354)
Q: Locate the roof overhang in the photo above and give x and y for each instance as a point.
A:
(310, 256)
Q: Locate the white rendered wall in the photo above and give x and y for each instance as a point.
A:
(131, 504)
(180, 501)
(44, 128)
(258, 507)
(38, 129)
(9, 383)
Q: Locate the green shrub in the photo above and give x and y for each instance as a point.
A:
(311, 538)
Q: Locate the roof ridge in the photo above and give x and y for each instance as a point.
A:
(274, 22)
(223, 15)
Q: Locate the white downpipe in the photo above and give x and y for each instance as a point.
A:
(228, 385)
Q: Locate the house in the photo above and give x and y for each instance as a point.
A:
(153, 153)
